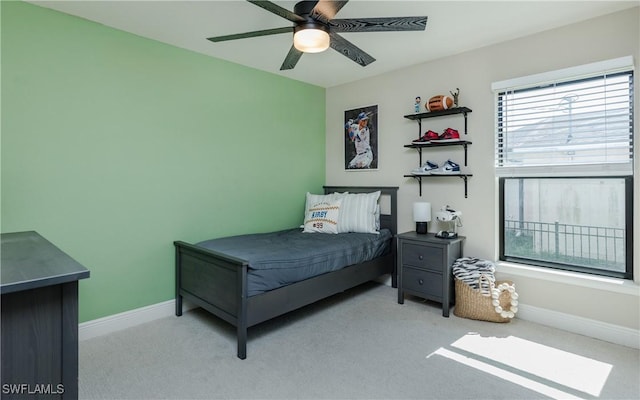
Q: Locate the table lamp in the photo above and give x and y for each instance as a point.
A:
(421, 215)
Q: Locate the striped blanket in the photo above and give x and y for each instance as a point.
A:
(469, 270)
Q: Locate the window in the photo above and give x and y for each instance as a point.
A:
(564, 159)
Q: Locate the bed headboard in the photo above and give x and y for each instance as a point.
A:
(388, 218)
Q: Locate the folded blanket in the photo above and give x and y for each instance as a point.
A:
(469, 270)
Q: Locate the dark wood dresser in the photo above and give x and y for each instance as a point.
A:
(39, 328)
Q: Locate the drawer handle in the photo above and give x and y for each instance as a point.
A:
(420, 257)
(420, 281)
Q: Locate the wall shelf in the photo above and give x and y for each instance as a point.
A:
(420, 146)
(419, 179)
(433, 114)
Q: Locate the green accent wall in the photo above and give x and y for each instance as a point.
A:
(114, 146)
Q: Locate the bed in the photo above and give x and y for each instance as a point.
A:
(229, 286)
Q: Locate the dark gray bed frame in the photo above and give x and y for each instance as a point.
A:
(218, 282)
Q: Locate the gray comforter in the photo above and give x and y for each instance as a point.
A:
(280, 258)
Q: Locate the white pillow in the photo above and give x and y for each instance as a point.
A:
(319, 198)
(358, 213)
(323, 217)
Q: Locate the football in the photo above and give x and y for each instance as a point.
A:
(439, 102)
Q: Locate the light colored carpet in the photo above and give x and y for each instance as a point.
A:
(360, 344)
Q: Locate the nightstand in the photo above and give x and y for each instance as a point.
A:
(425, 267)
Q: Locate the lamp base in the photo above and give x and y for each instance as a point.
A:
(421, 228)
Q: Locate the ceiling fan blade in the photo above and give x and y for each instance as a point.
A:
(348, 49)
(389, 24)
(291, 59)
(326, 10)
(264, 32)
(277, 10)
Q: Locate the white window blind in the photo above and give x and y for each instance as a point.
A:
(577, 121)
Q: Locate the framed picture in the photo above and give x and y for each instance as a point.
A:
(361, 138)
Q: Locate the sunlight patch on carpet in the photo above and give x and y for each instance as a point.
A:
(504, 357)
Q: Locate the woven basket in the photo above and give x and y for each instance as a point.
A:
(470, 303)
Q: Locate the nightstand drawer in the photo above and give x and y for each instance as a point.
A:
(423, 256)
(419, 280)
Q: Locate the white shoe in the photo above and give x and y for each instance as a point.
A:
(425, 169)
(448, 168)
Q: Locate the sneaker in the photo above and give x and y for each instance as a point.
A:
(425, 169)
(449, 135)
(426, 138)
(448, 168)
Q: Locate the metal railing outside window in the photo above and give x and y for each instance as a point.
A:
(583, 246)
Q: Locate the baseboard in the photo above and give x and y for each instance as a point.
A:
(583, 326)
(128, 319)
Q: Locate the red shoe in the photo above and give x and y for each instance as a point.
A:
(449, 135)
(426, 138)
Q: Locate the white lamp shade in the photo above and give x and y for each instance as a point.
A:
(311, 40)
(422, 212)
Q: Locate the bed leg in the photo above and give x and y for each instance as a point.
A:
(242, 342)
(394, 278)
(178, 305)
(394, 274)
(241, 321)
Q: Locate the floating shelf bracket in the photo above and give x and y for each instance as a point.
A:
(464, 177)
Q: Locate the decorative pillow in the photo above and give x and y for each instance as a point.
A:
(358, 213)
(319, 198)
(323, 217)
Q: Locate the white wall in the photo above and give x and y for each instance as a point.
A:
(608, 301)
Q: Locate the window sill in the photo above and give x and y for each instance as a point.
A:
(622, 286)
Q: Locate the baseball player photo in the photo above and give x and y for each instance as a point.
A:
(361, 138)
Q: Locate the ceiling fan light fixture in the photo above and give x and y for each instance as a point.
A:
(315, 29)
(311, 38)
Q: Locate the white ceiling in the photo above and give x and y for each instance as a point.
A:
(453, 27)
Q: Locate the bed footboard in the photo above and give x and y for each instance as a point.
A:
(215, 282)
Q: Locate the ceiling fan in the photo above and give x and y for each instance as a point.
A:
(314, 29)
